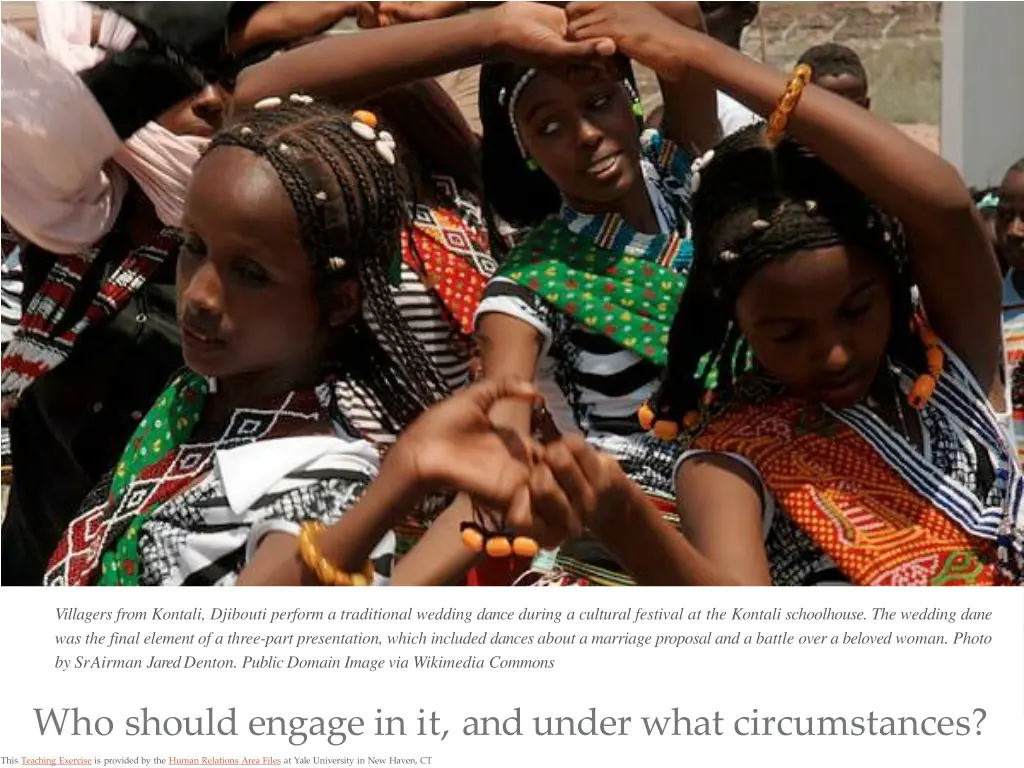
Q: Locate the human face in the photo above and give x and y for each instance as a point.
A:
(579, 127)
(1010, 219)
(246, 301)
(848, 86)
(819, 322)
(200, 115)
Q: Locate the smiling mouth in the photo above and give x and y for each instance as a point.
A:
(200, 337)
(603, 166)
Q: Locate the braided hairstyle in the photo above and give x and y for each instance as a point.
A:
(756, 205)
(350, 211)
(521, 196)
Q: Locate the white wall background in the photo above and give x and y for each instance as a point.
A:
(982, 88)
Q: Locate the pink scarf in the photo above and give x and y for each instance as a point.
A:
(55, 216)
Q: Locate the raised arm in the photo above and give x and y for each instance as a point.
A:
(354, 66)
(691, 101)
(951, 256)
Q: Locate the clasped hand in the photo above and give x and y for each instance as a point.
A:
(550, 492)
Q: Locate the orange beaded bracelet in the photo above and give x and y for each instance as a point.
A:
(326, 573)
(790, 98)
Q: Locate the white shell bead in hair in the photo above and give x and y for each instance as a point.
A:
(246, 130)
(363, 131)
(271, 102)
(321, 196)
(702, 162)
(812, 206)
(387, 138)
(298, 98)
(761, 224)
(282, 147)
(336, 263)
(695, 182)
(386, 151)
(728, 256)
(887, 236)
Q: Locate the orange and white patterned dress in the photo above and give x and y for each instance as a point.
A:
(847, 501)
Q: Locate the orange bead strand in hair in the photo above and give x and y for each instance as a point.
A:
(666, 430)
(646, 417)
(924, 386)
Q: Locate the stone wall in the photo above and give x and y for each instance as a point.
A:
(900, 44)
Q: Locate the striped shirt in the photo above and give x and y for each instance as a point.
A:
(444, 345)
(591, 385)
(11, 289)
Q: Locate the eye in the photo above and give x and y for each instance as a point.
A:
(250, 272)
(549, 128)
(789, 336)
(192, 247)
(600, 101)
(856, 311)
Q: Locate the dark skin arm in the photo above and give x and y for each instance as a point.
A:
(454, 445)
(352, 67)
(690, 102)
(285, 21)
(731, 533)
(576, 486)
(439, 557)
(509, 348)
(946, 237)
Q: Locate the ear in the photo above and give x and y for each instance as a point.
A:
(345, 301)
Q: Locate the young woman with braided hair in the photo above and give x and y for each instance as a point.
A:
(247, 469)
(562, 156)
(835, 437)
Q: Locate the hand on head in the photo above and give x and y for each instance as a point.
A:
(531, 33)
(630, 28)
(538, 34)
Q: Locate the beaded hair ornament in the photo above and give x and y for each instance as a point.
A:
(363, 124)
(510, 100)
